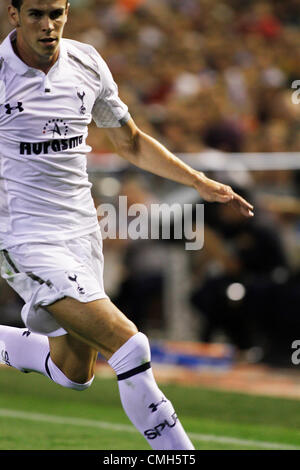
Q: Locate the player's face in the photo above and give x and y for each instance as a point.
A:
(39, 25)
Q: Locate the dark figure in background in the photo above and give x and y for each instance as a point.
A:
(242, 300)
(141, 291)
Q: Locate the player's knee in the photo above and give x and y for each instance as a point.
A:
(123, 324)
(134, 353)
(132, 328)
(141, 345)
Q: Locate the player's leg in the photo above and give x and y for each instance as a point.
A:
(73, 357)
(99, 323)
(30, 352)
(71, 362)
(22, 349)
(103, 327)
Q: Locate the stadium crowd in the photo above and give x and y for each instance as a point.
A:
(195, 68)
(199, 74)
(202, 73)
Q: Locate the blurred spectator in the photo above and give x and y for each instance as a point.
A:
(245, 271)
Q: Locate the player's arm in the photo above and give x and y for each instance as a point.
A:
(148, 154)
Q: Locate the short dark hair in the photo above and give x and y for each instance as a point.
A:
(18, 3)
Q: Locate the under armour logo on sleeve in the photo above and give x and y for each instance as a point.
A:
(10, 108)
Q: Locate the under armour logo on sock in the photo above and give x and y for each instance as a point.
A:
(10, 108)
(26, 333)
(154, 406)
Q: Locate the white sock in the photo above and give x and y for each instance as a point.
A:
(23, 350)
(59, 377)
(144, 403)
(29, 352)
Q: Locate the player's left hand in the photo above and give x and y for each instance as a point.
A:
(241, 205)
(212, 191)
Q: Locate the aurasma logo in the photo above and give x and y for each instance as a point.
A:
(56, 145)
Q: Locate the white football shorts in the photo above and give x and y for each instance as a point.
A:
(42, 273)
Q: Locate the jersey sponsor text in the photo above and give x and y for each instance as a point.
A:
(56, 145)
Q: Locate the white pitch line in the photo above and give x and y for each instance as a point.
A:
(127, 428)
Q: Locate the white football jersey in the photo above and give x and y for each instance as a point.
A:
(44, 189)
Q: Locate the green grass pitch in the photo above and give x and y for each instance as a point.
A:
(36, 414)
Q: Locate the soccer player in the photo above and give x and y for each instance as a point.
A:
(51, 250)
